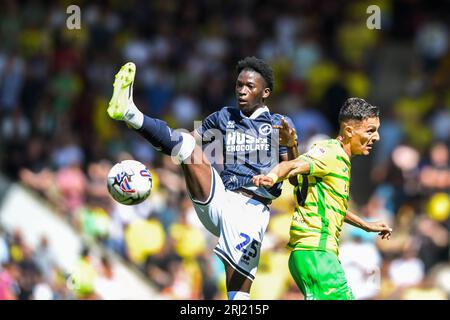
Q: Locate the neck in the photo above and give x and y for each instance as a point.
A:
(249, 112)
(345, 145)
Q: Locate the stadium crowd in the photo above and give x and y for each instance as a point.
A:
(56, 138)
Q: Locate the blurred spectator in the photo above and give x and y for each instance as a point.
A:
(425, 290)
(104, 283)
(274, 277)
(157, 266)
(186, 281)
(408, 270)
(44, 259)
(143, 238)
(361, 262)
(97, 194)
(441, 275)
(42, 291)
(11, 81)
(9, 289)
(435, 176)
(309, 122)
(68, 152)
(432, 41)
(83, 277)
(4, 251)
(71, 184)
(390, 137)
(185, 110)
(402, 237)
(187, 232)
(15, 127)
(94, 222)
(432, 241)
(306, 53)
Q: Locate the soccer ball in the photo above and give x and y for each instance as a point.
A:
(129, 182)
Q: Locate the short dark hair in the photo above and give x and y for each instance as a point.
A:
(357, 109)
(259, 66)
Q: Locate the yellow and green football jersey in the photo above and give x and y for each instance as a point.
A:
(321, 198)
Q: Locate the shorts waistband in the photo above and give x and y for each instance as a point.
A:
(253, 196)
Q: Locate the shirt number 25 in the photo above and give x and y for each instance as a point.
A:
(249, 247)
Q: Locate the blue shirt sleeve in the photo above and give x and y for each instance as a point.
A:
(211, 122)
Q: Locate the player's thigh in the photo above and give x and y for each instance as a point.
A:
(331, 281)
(211, 209)
(335, 286)
(197, 172)
(242, 228)
(319, 275)
(296, 268)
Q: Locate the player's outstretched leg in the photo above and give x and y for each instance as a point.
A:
(195, 165)
(121, 107)
(181, 146)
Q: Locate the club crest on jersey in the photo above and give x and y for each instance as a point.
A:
(265, 129)
(317, 152)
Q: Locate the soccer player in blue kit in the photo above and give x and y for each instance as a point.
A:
(228, 205)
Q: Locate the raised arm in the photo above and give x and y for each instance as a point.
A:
(382, 228)
(288, 139)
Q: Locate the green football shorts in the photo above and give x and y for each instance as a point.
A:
(319, 275)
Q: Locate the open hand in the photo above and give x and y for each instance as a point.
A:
(287, 134)
(382, 228)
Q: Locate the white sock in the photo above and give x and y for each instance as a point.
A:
(238, 295)
(132, 115)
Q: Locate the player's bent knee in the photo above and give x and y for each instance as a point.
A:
(184, 151)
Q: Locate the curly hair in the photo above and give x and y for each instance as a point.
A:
(357, 109)
(259, 66)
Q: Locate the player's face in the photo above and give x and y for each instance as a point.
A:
(365, 134)
(250, 91)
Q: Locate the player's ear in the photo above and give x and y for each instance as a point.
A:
(348, 130)
(266, 93)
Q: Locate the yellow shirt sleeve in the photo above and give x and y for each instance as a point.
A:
(319, 159)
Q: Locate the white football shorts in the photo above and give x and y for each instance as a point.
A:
(238, 221)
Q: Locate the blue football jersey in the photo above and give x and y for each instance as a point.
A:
(250, 146)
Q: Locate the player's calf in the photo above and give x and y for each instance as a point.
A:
(179, 145)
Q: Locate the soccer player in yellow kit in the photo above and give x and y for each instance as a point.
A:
(322, 194)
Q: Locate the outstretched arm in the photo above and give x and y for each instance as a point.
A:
(382, 228)
(282, 171)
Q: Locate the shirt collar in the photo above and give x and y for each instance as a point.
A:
(339, 142)
(256, 113)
